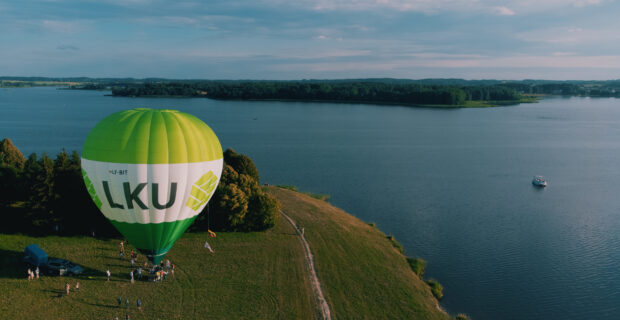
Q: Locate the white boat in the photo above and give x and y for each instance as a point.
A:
(539, 181)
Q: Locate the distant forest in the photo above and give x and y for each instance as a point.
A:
(440, 92)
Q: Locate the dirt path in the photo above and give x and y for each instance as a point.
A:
(316, 285)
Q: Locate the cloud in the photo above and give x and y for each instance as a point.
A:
(437, 6)
(571, 36)
(68, 47)
(503, 11)
(60, 26)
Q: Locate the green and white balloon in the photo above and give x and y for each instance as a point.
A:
(151, 172)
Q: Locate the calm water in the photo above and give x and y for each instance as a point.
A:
(453, 186)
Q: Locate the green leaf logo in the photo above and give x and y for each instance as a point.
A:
(201, 191)
(91, 189)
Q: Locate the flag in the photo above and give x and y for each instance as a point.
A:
(212, 234)
(207, 246)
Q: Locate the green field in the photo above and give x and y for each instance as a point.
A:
(362, 274)
(250, 276)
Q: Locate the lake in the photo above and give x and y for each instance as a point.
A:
(453, 186)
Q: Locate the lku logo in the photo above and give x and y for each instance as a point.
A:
(201, 191)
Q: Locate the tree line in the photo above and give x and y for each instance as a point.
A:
(40, 195)
(329, 91)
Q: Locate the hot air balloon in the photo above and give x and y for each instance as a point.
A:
(151, 172)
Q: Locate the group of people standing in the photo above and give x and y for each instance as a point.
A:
(33, 274)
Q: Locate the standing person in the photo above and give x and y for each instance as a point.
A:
(126, 302)
(119, 300)
(132, 262)
(139, 303)
(67, 287)
(140, 273)
(29, 274)
(167, 264)
(36, 271)
(127, 316)
(77, 287)
(131, 275)
(107, 272)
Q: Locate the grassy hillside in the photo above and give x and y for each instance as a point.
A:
(363, 276)
(250, 275)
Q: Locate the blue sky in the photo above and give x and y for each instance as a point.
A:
(318, 39)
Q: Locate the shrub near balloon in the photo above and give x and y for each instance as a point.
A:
(151, 172)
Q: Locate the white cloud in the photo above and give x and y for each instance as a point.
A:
(502, 7)
(570, 36)
(61, 26)
(503, 11)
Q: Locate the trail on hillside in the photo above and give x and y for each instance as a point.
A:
(316, 285)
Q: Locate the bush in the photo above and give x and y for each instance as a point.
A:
(418, 265)
(396, 244)
(462, 316)
(436, 288)
(372, 224)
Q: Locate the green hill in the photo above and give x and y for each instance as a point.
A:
(362, 274)
(258, 275)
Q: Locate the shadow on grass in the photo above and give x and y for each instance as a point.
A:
(109, 306)
(12, 264)
(55, 293)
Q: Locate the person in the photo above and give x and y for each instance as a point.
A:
(167, 264)
(165, 274)
(126, 302)
(172, 271)
(139, 303)
(131, 275)
(77, 287)
(67, 287)
(127, 316)
(132, 262)
(29, 274)
(302, 231)
(107, 272)
(36, 271)
(139, 272)
(119, 300)
(120, 254)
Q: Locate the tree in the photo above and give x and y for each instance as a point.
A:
(10, 155)
(241, 163)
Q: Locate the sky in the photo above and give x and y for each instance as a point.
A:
(312, 39)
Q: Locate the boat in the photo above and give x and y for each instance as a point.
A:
(539, 181)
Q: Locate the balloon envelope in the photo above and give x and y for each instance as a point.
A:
(151, 172)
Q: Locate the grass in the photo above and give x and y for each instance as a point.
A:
(250, 276)
(418, 265)
(363, 275)
(319, 196)
(436, 288)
